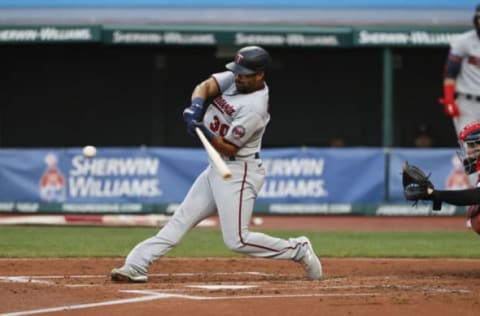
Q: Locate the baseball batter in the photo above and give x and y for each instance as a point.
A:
(234, 122)
(461, 85)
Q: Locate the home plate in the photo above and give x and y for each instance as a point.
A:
(222, 287)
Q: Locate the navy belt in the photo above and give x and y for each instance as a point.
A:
(469, 96)
(233, 158)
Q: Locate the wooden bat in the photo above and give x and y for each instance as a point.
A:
(214, 156)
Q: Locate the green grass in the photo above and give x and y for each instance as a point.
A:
(34, 241)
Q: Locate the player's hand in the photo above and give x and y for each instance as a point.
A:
(448, 100)
(188, 121)
(207, 132)
(450, 107)
(193, 112)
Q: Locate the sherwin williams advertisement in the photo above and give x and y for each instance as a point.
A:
(113, 175)
(164, 175)
(323, 175)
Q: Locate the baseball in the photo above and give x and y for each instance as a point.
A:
(257, 221)
(89, 151)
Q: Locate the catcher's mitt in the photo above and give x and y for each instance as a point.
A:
(416, 185)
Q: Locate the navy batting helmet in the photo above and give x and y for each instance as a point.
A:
(250, 60)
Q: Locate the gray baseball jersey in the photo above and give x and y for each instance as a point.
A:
(241, 119)
(467, 47)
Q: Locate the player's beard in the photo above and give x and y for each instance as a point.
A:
(248, 84)
(242, 87)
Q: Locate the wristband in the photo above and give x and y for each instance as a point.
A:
(198, 101)
(207, 132)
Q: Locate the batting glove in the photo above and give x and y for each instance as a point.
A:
(450, 107)
(448, 101)
(194, 111)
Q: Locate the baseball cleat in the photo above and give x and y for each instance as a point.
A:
(310, 261)
(128, 274)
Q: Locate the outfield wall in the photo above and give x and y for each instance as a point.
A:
(362, 181)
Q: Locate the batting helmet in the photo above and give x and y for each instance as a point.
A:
(469, 140)
(250, 60)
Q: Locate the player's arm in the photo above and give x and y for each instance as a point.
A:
(205, 89)
(457, 197)
(223, 146)
(417, 186)
(202, 91)
(452, 69)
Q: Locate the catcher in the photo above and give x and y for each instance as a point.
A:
(417, 185)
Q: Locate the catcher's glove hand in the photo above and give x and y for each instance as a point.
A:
(416, 185)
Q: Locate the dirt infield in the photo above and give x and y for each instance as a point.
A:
(244, 286)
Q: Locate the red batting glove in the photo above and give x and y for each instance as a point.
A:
(448, 101)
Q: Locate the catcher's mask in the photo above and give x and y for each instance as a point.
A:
(250, 60)
(475, 20)
(469, 141)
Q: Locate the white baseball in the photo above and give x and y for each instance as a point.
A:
(89, 151)
(257, 221)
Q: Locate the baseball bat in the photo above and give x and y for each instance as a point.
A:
(214, 156)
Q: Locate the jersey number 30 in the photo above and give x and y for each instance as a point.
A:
(218, 127)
